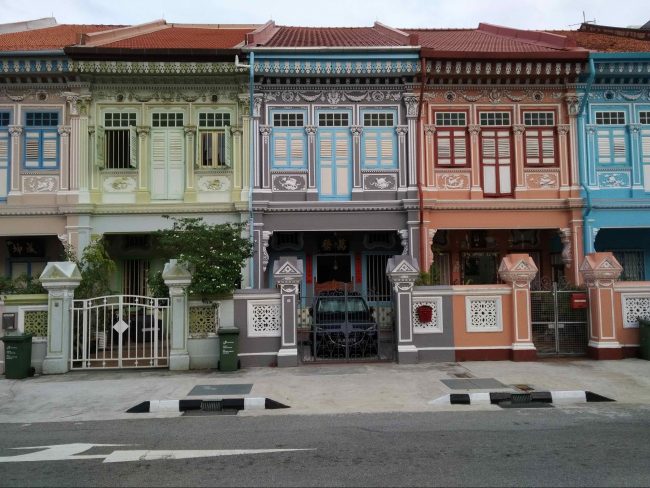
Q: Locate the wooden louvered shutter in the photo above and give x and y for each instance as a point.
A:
(645, 158)
(496, 159)
(297, 154)
(32, 148)
(610, 146)
(280, 148)
(158, 163)
(540, 146)
(175, 163)
(50, 148)
(451, 147)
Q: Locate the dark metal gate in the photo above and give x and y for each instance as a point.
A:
(340, 326)
(559, 320)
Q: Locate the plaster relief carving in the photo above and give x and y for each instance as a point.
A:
(289, 182)
(119, 184)
(379, 182)
(40, 184)
(541, 181)
(450, 181)
(614, 180)
(214, 183)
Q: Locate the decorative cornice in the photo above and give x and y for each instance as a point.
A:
(332, 95)
(505, 68)
(337, 67)
(28, 65)
(153, 68)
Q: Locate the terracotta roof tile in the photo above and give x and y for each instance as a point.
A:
(177, 37)
(608, 43)
(474, 40)
(56, 37)
(330, 37)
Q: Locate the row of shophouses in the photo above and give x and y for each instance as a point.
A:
(339, 147)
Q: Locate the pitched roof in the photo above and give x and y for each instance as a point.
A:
(49, 38)
(379, 35)
(174, 36)
(598, 38)
(491, 39)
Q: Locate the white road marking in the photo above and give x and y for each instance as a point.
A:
(71, 452)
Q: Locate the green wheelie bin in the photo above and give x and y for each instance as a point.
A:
(18, 356)
(228, 349)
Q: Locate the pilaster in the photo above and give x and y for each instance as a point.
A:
(178, 279)
(190, 189)
(519, 270)
(518, 132)
(601, 271)
(288, 273)
(403, 271)
(411, 101)
(16, 132)
(67, 169)
(60, 279)
(476, 191)
(143, 132)
(356, 131)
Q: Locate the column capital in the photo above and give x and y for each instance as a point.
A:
(236, 130)
(401, 130)
(429, 129)
(563, 129)
(78, 103)
(190, 130)
(518, 269)
(572, 104)
(411, 101)
(266, 130)
(474, 129)
(16, 130)
(635, 128)
(311, 129)
(518, 129)
(143, 130)
(356, 130)
(64, 130)
(600, 270)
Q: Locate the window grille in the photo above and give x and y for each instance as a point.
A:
(539, 119)
(288, 120)
(451, 118)
(495, 118)
(120, 140)
(333, 120)
(633, 265)
(134, 281)
(610, 118)
(378, 285)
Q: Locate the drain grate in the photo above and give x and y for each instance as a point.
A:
(521, 398)
(211, 406)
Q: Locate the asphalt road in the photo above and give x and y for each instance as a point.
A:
(590, 445)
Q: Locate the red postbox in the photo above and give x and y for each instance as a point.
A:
(578, 300)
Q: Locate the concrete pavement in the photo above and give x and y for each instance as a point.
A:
(315, 389)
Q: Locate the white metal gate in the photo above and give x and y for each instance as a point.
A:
(120, 331)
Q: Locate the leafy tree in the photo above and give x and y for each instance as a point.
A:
(96, 268)
(214, 254)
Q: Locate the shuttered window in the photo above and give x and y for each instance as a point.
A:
(117, 147)
(451, 139)
(496, 160)
(540, 139)
(611, 146)
(379, 146)
(215, 140)
(4, 154)
(41, 143)
(288, 141)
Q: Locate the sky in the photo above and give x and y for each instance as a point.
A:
(524, 14)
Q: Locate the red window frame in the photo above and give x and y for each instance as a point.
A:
(512, 165)
(452, 143)
(553, 128)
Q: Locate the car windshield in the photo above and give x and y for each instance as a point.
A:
(341, 305)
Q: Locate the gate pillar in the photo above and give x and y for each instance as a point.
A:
(178, 279)
(60, 279)
(402, 272)
(600, 271)
(519, 270)
(287, 272)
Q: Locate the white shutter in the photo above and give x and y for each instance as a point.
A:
(228, 146)
(503, 145)
(444, 147)
(32, 146)
(297, 156)
(460, 148)
(50, 149)
(100, 154)
(604, 148)
(280, 148)
(133, 147)
(645, 146)
(489, 147)
(326, 164)
(548, 147)
(4, 164)
(619, 146)
(532, 147)
(342, 163)
(158, 163)
(386, 145)
(371, 150)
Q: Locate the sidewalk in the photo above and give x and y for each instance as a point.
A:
(313, 389)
